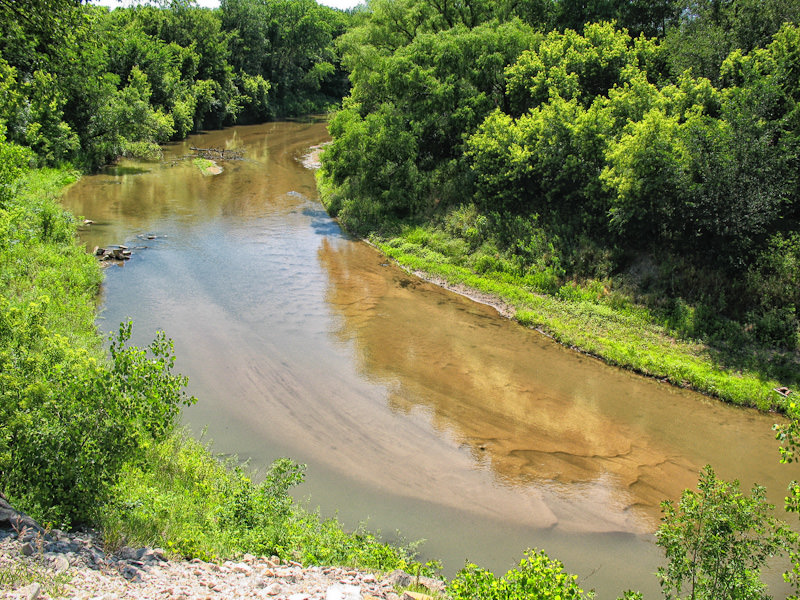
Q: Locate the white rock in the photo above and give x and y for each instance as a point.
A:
(273, 589)
(32, 591)
(340, 591)
(60, 564)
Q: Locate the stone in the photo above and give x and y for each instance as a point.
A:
(27, 549)
(128, 553)
(399, 579)
(60, 564)
(31, 592)
(13, 519)
(435, 585)
(273, 589)
(159, 554)
(340, 591)
(129, 572)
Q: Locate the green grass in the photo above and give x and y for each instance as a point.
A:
(586, 316)
(182, 498)
(40, 259)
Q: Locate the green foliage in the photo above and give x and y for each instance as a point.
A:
(707, 31)
(398, 141)
(14, 161)
(717, 540)
(68, 419)
(127, 125)
(788, 434)
(537, 577)
(574, 66)
(289, 44)
(179, 496)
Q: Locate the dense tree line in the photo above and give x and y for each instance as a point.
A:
(87, 84)
(655, 142)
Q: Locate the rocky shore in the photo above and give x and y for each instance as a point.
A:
(39, 564)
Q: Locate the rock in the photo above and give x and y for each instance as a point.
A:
(273, 589)
(435, 585)
(129, 572)
(13, 519)
(29, 535)
(60, 564)
(399, 579)
(88, 222)
(341, 591)
(27, 549)
(128, 553)
(416, 596)
(31, 592)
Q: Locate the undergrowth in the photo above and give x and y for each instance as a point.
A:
(182, 498)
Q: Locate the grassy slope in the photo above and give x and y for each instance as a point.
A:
(591, 320)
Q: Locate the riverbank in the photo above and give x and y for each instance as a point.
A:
(40, 564)
(591, 319)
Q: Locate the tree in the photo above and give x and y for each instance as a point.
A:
(717, 540)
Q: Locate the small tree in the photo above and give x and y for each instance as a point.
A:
(789, 436)
(716, 541)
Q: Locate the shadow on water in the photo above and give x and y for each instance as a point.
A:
(322, 224)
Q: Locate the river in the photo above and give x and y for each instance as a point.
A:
(415, 409)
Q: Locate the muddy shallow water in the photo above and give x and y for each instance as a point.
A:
(414, 408)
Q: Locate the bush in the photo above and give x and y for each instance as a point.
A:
(71, 421)
(537, 578)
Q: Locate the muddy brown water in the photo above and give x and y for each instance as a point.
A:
(415, 409)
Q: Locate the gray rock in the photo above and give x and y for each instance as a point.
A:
(27, 549)
(340, 591)
(97, 556)
(399, 579)
(128, 553)
(29, 535)
(129, 572)
(435, 585)
(273, 589)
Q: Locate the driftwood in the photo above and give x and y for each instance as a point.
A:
(218, 153)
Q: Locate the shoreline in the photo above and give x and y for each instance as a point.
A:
(767, 400)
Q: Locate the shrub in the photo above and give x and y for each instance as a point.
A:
(537, 578)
